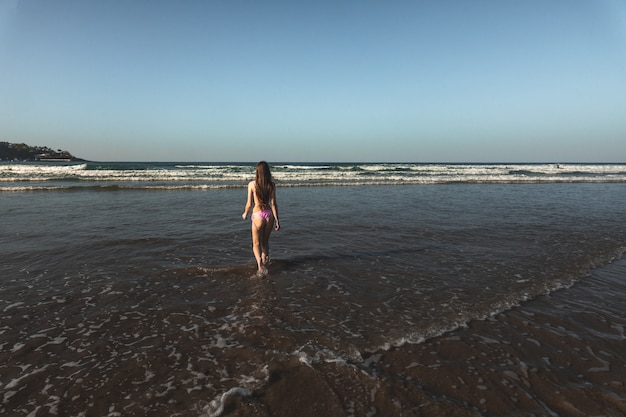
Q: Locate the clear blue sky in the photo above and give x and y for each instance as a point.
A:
(422, 81)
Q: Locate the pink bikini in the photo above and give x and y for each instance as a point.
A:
(266, 214)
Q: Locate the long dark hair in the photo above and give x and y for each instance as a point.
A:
(264, 183)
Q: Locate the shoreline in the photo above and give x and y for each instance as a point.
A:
(557, 354)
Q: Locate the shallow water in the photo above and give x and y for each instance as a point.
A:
(139, 301)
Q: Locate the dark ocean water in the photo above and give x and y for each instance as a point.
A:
(393, 290)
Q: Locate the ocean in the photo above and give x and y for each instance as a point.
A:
(128, 289)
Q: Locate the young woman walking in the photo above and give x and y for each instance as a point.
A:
(262, 201)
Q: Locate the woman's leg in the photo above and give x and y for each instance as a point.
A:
(257, 238)
(266, 230)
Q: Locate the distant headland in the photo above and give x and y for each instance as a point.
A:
(23, 152)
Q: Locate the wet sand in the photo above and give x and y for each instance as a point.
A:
(563, 354)
(558, 355)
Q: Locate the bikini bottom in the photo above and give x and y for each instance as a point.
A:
(266, 215)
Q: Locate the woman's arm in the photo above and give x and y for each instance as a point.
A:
(275, 209)
(249, 202)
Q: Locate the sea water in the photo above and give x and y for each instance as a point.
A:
(394, 289)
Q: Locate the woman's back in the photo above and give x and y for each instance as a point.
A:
(262, 197)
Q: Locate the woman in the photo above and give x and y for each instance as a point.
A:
(262, 192)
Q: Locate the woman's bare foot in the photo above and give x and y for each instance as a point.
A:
(261, 273)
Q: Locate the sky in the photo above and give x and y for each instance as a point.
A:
(316, 81)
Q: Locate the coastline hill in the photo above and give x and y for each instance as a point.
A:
(23, 152)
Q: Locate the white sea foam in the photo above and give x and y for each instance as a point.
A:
(16, 382)
(13, 306)
(218, 176)
(216, 407)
